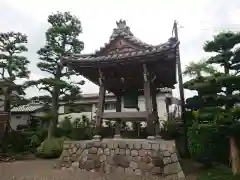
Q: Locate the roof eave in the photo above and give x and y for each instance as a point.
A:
(115, 58)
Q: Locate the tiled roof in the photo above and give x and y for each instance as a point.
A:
(123, 31)
(158, 49)
(27, 108)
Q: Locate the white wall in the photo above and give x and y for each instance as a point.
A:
(22, 118)
(74, 116)
(18, 119)
(141, 105)
(89, 115)
(38, 113)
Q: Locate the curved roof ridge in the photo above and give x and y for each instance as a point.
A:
(124, 31)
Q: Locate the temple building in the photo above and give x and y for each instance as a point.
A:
(129, 68)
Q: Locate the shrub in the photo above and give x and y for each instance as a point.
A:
(37, 138)
(81, 133)
(208, 143)
(50, 148)
(22, 127)
(66, 124)
(42, 134)
(79, 129)
(15, 142)
(217, 173)
(35, 141)
(171, 130)
(107, 132)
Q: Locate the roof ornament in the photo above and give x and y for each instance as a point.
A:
(122, 27)
(121, 24)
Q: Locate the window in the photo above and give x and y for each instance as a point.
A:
(110, 106)
(78, 108)
(18, 117)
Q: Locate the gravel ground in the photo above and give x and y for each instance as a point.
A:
(43, 170)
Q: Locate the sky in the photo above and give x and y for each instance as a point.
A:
(149, 20)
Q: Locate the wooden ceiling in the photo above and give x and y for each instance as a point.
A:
(125, 76)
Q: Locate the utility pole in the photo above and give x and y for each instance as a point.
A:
(179, 70)
(180, 82)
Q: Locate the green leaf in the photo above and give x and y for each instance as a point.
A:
(222, 42)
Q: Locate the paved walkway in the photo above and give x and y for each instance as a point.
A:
(43, 170)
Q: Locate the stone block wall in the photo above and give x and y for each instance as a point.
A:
(129, 156)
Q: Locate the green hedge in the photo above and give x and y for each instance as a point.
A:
(217, 173)
(16, 142)
(172, 130)
(50, 148)
(208, 143)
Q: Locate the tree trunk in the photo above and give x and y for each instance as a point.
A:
(234, 156)
(7, 109)
(54, 114)
(4, 144)
(55, 106)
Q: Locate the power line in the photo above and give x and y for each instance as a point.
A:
(214, 29)
(227, 28)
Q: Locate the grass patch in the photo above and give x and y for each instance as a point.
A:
(217, 173)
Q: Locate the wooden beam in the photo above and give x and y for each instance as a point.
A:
(148, 102)
(127, 116)
(112, 82)
(100, 109)
(155, 109)
(118, 109)
(147, 93)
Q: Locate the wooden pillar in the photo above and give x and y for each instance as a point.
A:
(167, 103)
(100, 109)
(155, 110)
(148, 102)
(118, 121)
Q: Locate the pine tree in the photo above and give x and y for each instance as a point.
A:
(61, 40)
(200, 72)
(13, 66)
(223, 45)
(197, 69)
(218, 94)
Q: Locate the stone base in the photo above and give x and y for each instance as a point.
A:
(97, 137)
(128, 156)
(117, 136)
(158, 137)
(150, 138)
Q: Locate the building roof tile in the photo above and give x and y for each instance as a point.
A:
(27, 108)
(123, 31)
(159, 49)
